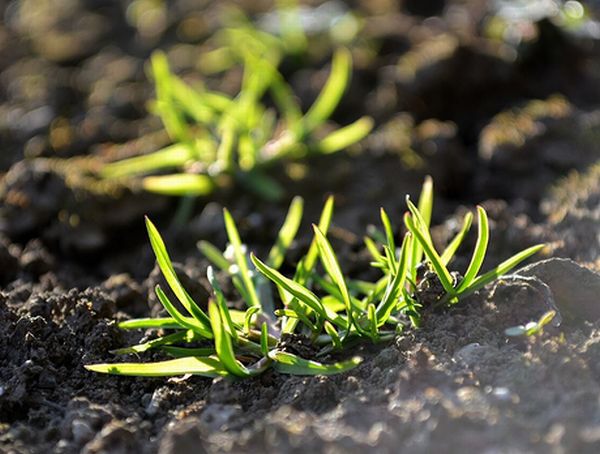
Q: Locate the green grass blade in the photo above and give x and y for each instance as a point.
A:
(426, 200)
(184, 322)
(423, 216)
(225, 151)
(324, 223)
(332, 267)
(150, 323)
(247, 151)
(249, 314)
(501, 269)
(373, 250)
(287, 363)
(284, 97)
(264, 339)
(172, 156)
(214, 255)
(301, 313)
(346, 136)
(223, 344)
(332, 332)
(240, 259)
(332, 92)
(155, 343)
(171, 117)
(193, 102)
(435, 260)
(394, 288)
(372, 318)
(207, 367)
(389, 232)
(179, 184)
(293, 288)
(220, 300)
(286, 234)
(451, 249)
(483, 235)
(166, 267)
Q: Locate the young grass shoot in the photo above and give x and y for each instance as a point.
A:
(318, 301)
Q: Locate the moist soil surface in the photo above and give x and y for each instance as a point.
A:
(510, 122)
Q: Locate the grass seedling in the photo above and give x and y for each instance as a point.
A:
(532, 328)
(215, 135)
(317, 303)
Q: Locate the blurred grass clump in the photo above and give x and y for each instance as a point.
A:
(216, 137)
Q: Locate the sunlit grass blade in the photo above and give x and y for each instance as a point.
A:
(247, 151)
(191, 101)
(225, 151)
(174, 155)
(451, 249)
(179, 184)
(284, 98)
(287, 363)
(171, 117)
(264, 339)
(214, 255)
(166, 267)
(344, 137)
(332, 267)
(248, 317)
(324, 223)
(332, 92)
(333, 303)
(300, 313)
(372, 318)
(423, 221)
(394, 288)
(184, 322)
(220, 301)
(435, 260)
(240, 259)
(483, 235)
(155, 343)
(501, 269)
(286, 234)
(207, 367)
(389, 232)
(425, 204)
(150, 323)
(223, 344)
(296, 290)
(332, 332)
(374, 251)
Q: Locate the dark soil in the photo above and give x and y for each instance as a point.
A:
(513, 125)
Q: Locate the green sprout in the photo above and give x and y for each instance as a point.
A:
(532, 328)
(215, 135)
(319, 304)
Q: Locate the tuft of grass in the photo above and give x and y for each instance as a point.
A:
(214, 135)
(319, 303)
